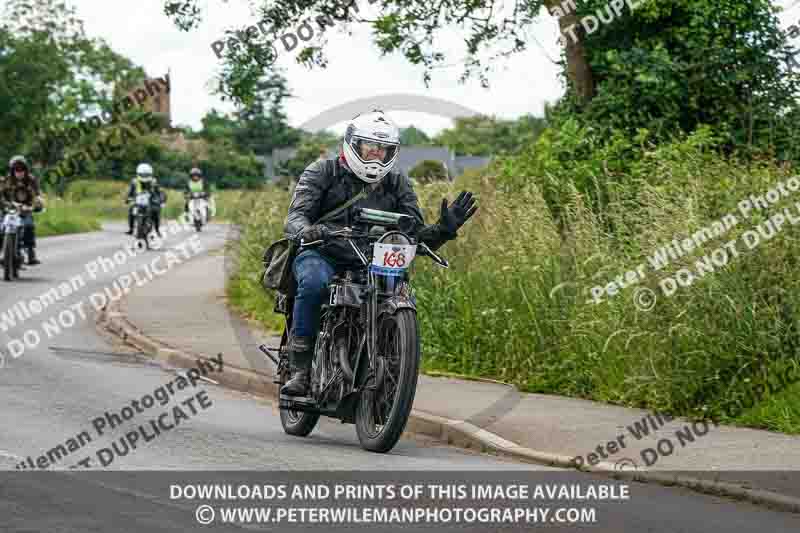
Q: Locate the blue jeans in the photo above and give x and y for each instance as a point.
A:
(28, 231)
(313, 273)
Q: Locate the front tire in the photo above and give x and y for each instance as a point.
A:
(9, 256)
(382, 414)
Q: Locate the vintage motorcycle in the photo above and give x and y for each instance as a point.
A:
(143, 215)
(367, 353)
(198, 208)
(12, 241)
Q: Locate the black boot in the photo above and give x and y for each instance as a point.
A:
(32, 257)
(300, 353)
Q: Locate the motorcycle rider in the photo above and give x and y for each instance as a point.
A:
(145, 182)
(196, 184)
(368, 156)
(22, 187)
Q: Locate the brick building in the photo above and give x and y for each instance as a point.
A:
(158, 100)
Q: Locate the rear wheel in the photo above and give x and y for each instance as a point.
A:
(382, 413)
(298, 423)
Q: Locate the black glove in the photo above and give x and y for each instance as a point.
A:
(314, 233)
(458, 213)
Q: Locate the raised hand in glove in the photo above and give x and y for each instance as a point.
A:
(314, 233)
(458, 213)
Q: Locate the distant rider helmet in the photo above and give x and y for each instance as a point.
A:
(18, 162)
(145, 172)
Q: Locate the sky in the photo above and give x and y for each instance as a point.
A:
(520, 85)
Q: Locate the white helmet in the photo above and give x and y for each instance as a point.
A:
(144, 170)
(371, 145)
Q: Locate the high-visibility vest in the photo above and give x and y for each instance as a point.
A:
(196, 186)
(139, 185)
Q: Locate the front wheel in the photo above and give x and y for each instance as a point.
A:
(9, 256)
(384, 407)
(143, 228)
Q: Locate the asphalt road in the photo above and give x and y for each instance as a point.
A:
(55, 391)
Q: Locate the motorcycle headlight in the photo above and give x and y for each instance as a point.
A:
(395, 238)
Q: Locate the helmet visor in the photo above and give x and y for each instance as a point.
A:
(370, 151)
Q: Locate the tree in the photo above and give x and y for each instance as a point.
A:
(484, 136)
(262, 123)
(661, 65)
(411, 136)
(66, 75)
(307, 152)
(30, 73)
(673, 66)
(217, 127)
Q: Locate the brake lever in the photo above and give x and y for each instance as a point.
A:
(439, 260)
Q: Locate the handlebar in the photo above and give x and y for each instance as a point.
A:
(348, 234)
(19, 206)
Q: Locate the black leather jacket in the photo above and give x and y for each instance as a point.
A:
(327, 184)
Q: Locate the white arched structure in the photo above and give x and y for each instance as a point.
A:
(387, 102)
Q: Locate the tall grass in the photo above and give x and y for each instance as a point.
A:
(259, 217)
(61, 218)
(516, 303)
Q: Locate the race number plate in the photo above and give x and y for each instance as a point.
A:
(143, 199)
(392, 259)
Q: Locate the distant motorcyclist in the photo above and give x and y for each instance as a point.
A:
(22, 187)
(368, 157)
(145, 182)
(196, 184)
